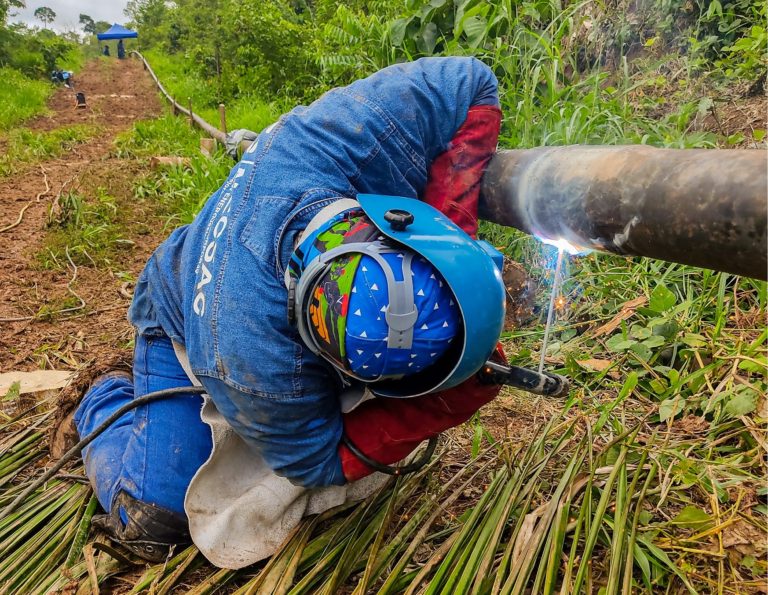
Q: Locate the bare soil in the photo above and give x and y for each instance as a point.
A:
(118, 93)
(741, 113)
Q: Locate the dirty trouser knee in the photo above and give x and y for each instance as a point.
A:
(151, 453)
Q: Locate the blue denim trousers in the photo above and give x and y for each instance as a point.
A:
(153, 451)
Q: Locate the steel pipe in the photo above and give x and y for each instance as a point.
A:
(706, 208)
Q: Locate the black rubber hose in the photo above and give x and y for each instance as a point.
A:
(388, 469)
(75, 450)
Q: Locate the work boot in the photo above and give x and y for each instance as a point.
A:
(62, 434)
(151, 532)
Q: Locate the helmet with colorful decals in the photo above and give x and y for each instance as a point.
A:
(385, 292)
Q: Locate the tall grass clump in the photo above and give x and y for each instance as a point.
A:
(21, 98)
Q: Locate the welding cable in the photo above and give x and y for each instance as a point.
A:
(75, 450)
(388, 469)
(176, 392)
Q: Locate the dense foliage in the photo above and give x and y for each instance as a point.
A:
(27, 57)
(301, 47)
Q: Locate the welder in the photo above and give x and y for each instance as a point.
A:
(332, 300)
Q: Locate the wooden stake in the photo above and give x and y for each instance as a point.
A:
(191, 119)
(207, 146)
(222, 118)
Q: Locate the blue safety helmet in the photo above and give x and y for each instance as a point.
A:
(471, 269)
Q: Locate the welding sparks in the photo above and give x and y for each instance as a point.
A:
(551, 310)
(564, 245)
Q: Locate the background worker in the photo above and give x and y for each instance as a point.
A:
(120, 50)
(286, 298)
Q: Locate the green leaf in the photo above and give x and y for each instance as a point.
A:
(748, 562)
(639, 331)
(554, 348)
(427, 39)
(755, 367)
(474, 29)
(619, 343)
(659, 386)
(13, 391)
(477, 439)
(758, 134)
(694, 340)
(642, 351)
(662, 299)
(629, 385)
(692, 517)
(642, 561)
(742, 403)
(666, 329)
(397, 30)
(669, 408)
(654, 341)
(662, 557)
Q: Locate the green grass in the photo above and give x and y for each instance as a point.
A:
(87, 231)
(26, 146)
(183, 83)
(21, 98)
(183, 190)
(180, 190)
(169, 136)
(73, 60)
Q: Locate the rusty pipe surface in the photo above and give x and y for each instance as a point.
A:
(701, 207)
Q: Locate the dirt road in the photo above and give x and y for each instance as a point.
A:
(54, 313)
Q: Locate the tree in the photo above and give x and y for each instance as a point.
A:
(89, 25)
(6, 6)
(100, 26)
(45, 14)
(148, 14)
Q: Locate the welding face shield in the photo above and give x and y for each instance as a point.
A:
(396, 295)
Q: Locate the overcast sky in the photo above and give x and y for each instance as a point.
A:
(68, 12)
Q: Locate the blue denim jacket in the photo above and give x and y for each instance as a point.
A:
(216, 285)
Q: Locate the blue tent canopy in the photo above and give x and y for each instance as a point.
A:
(116, 32)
